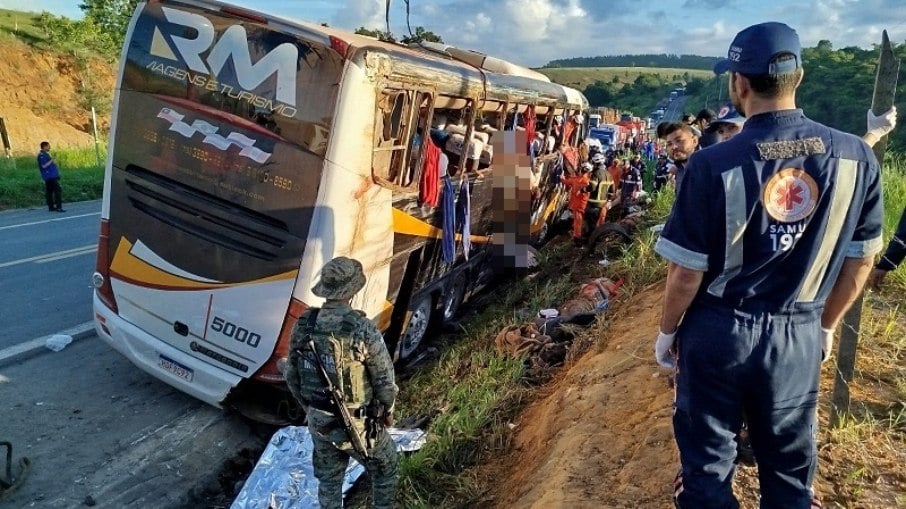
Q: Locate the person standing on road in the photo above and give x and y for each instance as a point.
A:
(51, 175)
(754, 292)
(356, 359)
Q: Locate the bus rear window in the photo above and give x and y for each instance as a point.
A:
(281, 82)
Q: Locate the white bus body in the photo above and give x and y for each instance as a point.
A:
(240, 163)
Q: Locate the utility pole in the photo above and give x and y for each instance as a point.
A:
(94, 126)
(882, 100)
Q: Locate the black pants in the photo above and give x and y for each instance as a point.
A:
(53, 194)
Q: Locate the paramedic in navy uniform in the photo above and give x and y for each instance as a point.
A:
(756, 288)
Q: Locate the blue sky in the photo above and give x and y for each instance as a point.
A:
(533, 32)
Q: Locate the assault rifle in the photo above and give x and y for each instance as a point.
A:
(336, 395)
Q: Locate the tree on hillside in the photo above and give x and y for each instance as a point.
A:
(377, 34)
(80, 38)
(112, 16)
(420, 35)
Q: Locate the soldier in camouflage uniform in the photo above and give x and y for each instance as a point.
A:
(355, 357)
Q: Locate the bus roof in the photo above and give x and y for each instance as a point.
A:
(423, 68)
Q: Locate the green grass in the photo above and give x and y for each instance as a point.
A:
(473, 393)
(580, 77)
(21, 25)
(894, 178)
(81, 178)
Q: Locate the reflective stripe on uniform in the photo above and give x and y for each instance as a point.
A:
(680, 255)
(844, 187)
(735, 224)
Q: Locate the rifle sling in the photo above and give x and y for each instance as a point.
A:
(327, 404)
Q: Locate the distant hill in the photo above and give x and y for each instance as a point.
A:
(581, 77)
(663, 60)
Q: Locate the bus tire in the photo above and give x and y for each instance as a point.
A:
(607, 235)
(453, 297)
(416, 326)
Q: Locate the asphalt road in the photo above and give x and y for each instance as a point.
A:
(46, 262)
(674, 110)
(92, 424)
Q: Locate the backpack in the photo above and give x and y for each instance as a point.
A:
(342, 354)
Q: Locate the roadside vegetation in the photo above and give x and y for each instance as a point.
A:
(470, 395)
(582, 77)
(81, 178)
(836, 89)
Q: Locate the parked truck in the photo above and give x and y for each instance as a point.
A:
(611, 136)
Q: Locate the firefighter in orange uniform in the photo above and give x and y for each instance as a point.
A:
(578, 197)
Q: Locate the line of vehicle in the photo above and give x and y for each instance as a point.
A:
(57, 255)
(66, 218)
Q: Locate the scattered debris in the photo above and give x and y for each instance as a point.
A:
(8, 482)
(284, 479)
(58, 342)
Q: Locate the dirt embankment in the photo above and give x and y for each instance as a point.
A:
(45, 97)
(602, 436)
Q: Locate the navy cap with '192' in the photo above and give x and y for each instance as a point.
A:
(754, 49)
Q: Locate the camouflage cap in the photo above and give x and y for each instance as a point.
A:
(341, 278)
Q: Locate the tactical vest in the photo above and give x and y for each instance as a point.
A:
(343, 357)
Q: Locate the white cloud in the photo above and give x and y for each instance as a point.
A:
(358, 13)
(527, 32)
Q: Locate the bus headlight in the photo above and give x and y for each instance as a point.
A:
(97, 280)
(281, 365)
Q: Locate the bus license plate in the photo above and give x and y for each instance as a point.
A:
(175, 368)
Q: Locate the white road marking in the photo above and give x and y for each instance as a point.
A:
(77, 332)
(48, 221)
(51, 256)
(68, 255)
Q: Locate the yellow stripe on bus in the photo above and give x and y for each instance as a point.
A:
(408, 225)
(138, 271)
(551, 207)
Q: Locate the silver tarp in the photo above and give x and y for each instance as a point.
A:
(283, 477)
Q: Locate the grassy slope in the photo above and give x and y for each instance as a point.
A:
(81, 178)
(580, 77)
(473, 392)
(20, 25)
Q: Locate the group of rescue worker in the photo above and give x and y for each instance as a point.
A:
(744, 327)
(606, 180)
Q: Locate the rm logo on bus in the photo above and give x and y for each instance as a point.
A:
(233, 43)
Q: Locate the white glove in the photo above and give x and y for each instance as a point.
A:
(827, 345)
(883, 124)
(664, 351)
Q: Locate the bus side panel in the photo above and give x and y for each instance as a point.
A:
(353, 216)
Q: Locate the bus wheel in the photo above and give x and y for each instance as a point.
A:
(607, 239)
(453, 297)
(416, 328)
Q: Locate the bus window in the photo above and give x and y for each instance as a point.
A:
(391, 129)
(424, 100)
